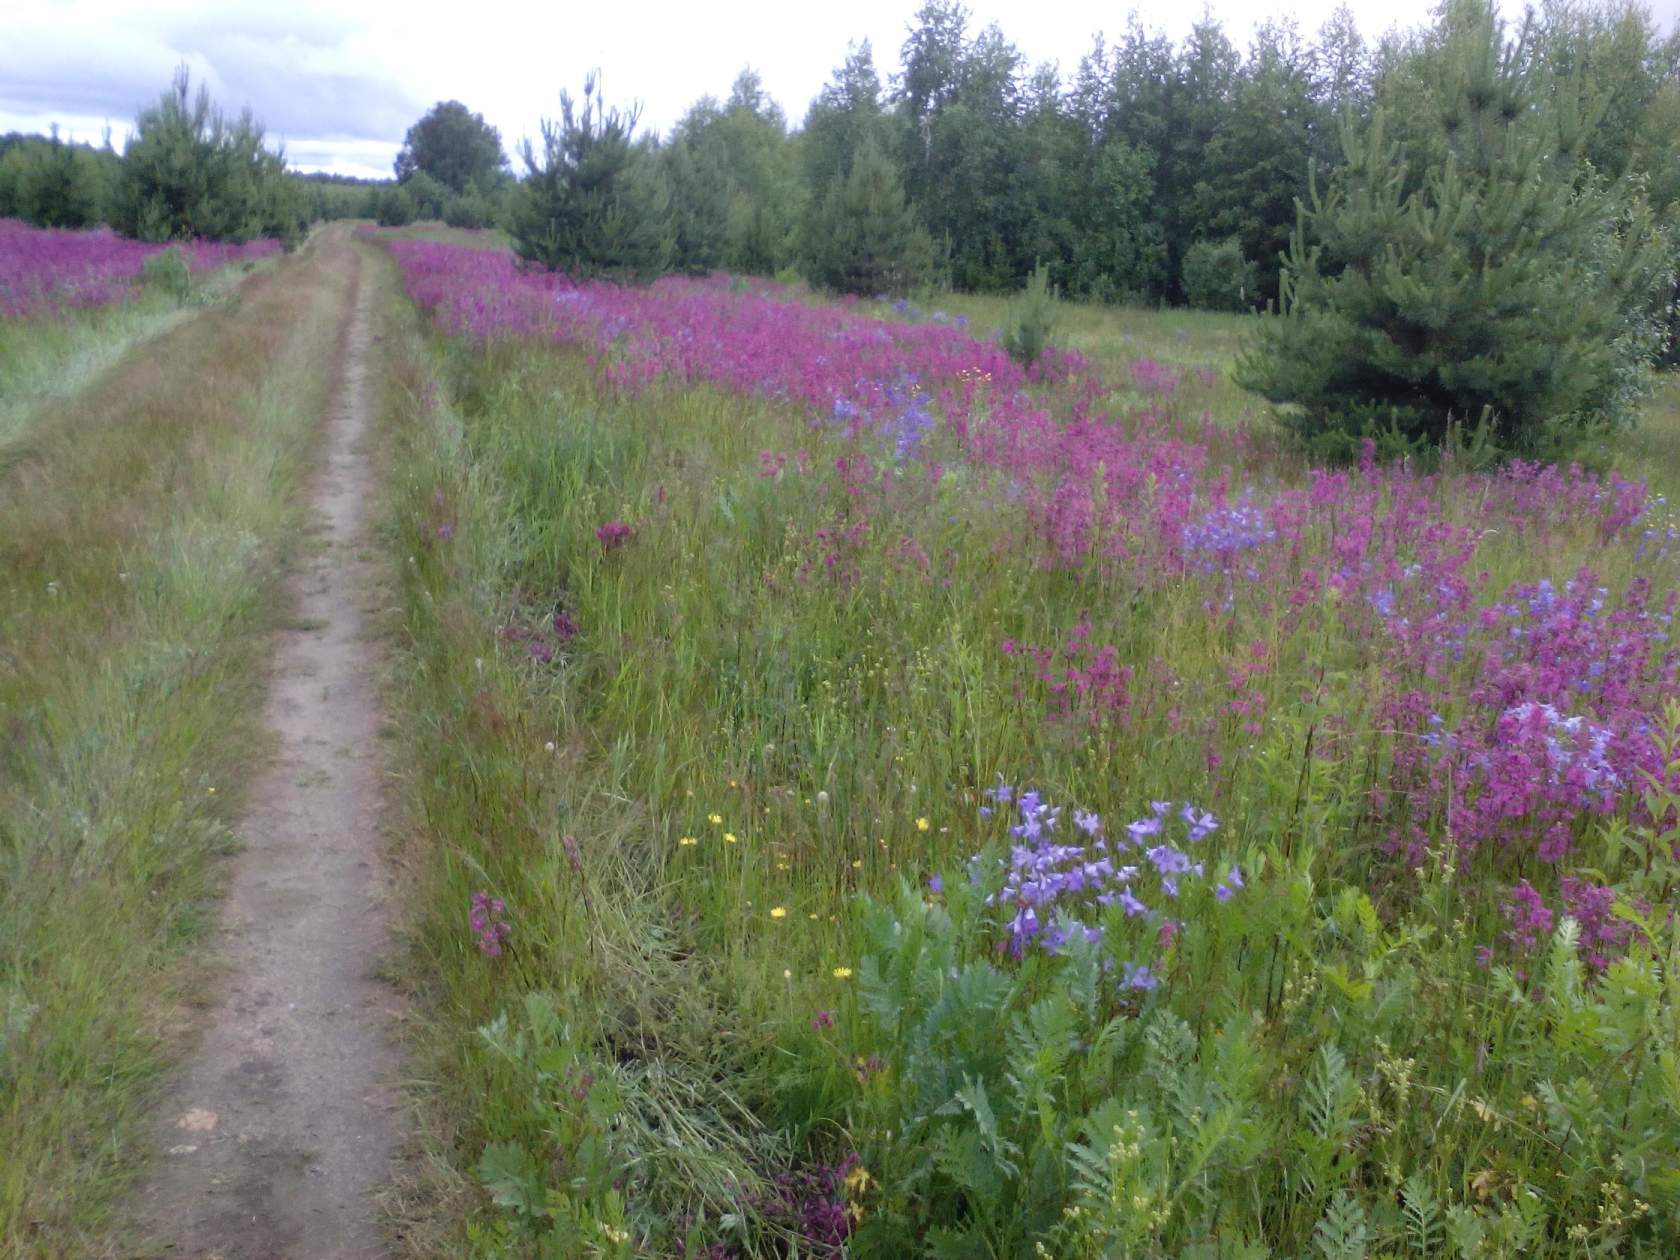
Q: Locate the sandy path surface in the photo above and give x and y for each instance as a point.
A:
(283, 1119)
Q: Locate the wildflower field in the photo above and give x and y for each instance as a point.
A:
(47, 270)
(865, 798)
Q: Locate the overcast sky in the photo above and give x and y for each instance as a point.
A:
(340, 83)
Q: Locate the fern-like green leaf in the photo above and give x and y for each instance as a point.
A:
(1421, 1212)
(1342, 1234)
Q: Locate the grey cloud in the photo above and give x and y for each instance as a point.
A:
(298, 73)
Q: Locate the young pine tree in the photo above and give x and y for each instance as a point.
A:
(866, 238)
(1498, 281)
(592, 203)
(191, 171)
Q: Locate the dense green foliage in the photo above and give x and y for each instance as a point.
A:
(329, 197)
(1500, 282)
(55, 183)
(452, 168)
(735, 191)
(189, 171)
(591, 202)
(864, 236)
(1217, 277)
(453, 146)
(394, 206)
(1148, 151)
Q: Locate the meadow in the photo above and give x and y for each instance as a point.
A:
(864, 797)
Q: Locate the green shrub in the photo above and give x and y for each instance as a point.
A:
(469, 210)
(394, 207)
(168, 272)
(1218, 278)
(430, 196)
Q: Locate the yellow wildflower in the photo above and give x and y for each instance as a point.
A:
(715, 819)
(922, 824)
(842, 973)
(729, 837)
(687, 840)
(778, 912)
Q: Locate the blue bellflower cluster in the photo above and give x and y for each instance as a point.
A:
(1221, 534)
(1058, 879)
(904, 417)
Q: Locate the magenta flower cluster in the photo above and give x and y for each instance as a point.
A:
(1604, 935)
(486, 916)
(43, 270)
(613, 534)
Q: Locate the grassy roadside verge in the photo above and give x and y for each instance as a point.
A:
(50, 359)
(141, 534)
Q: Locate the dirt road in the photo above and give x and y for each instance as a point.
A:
(283, 1119)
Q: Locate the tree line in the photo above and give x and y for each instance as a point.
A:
(190, 170)
(1155, 171)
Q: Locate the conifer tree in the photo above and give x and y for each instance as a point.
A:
(1501, 283)
(867, 239)
(592, 202)
(191, 171)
